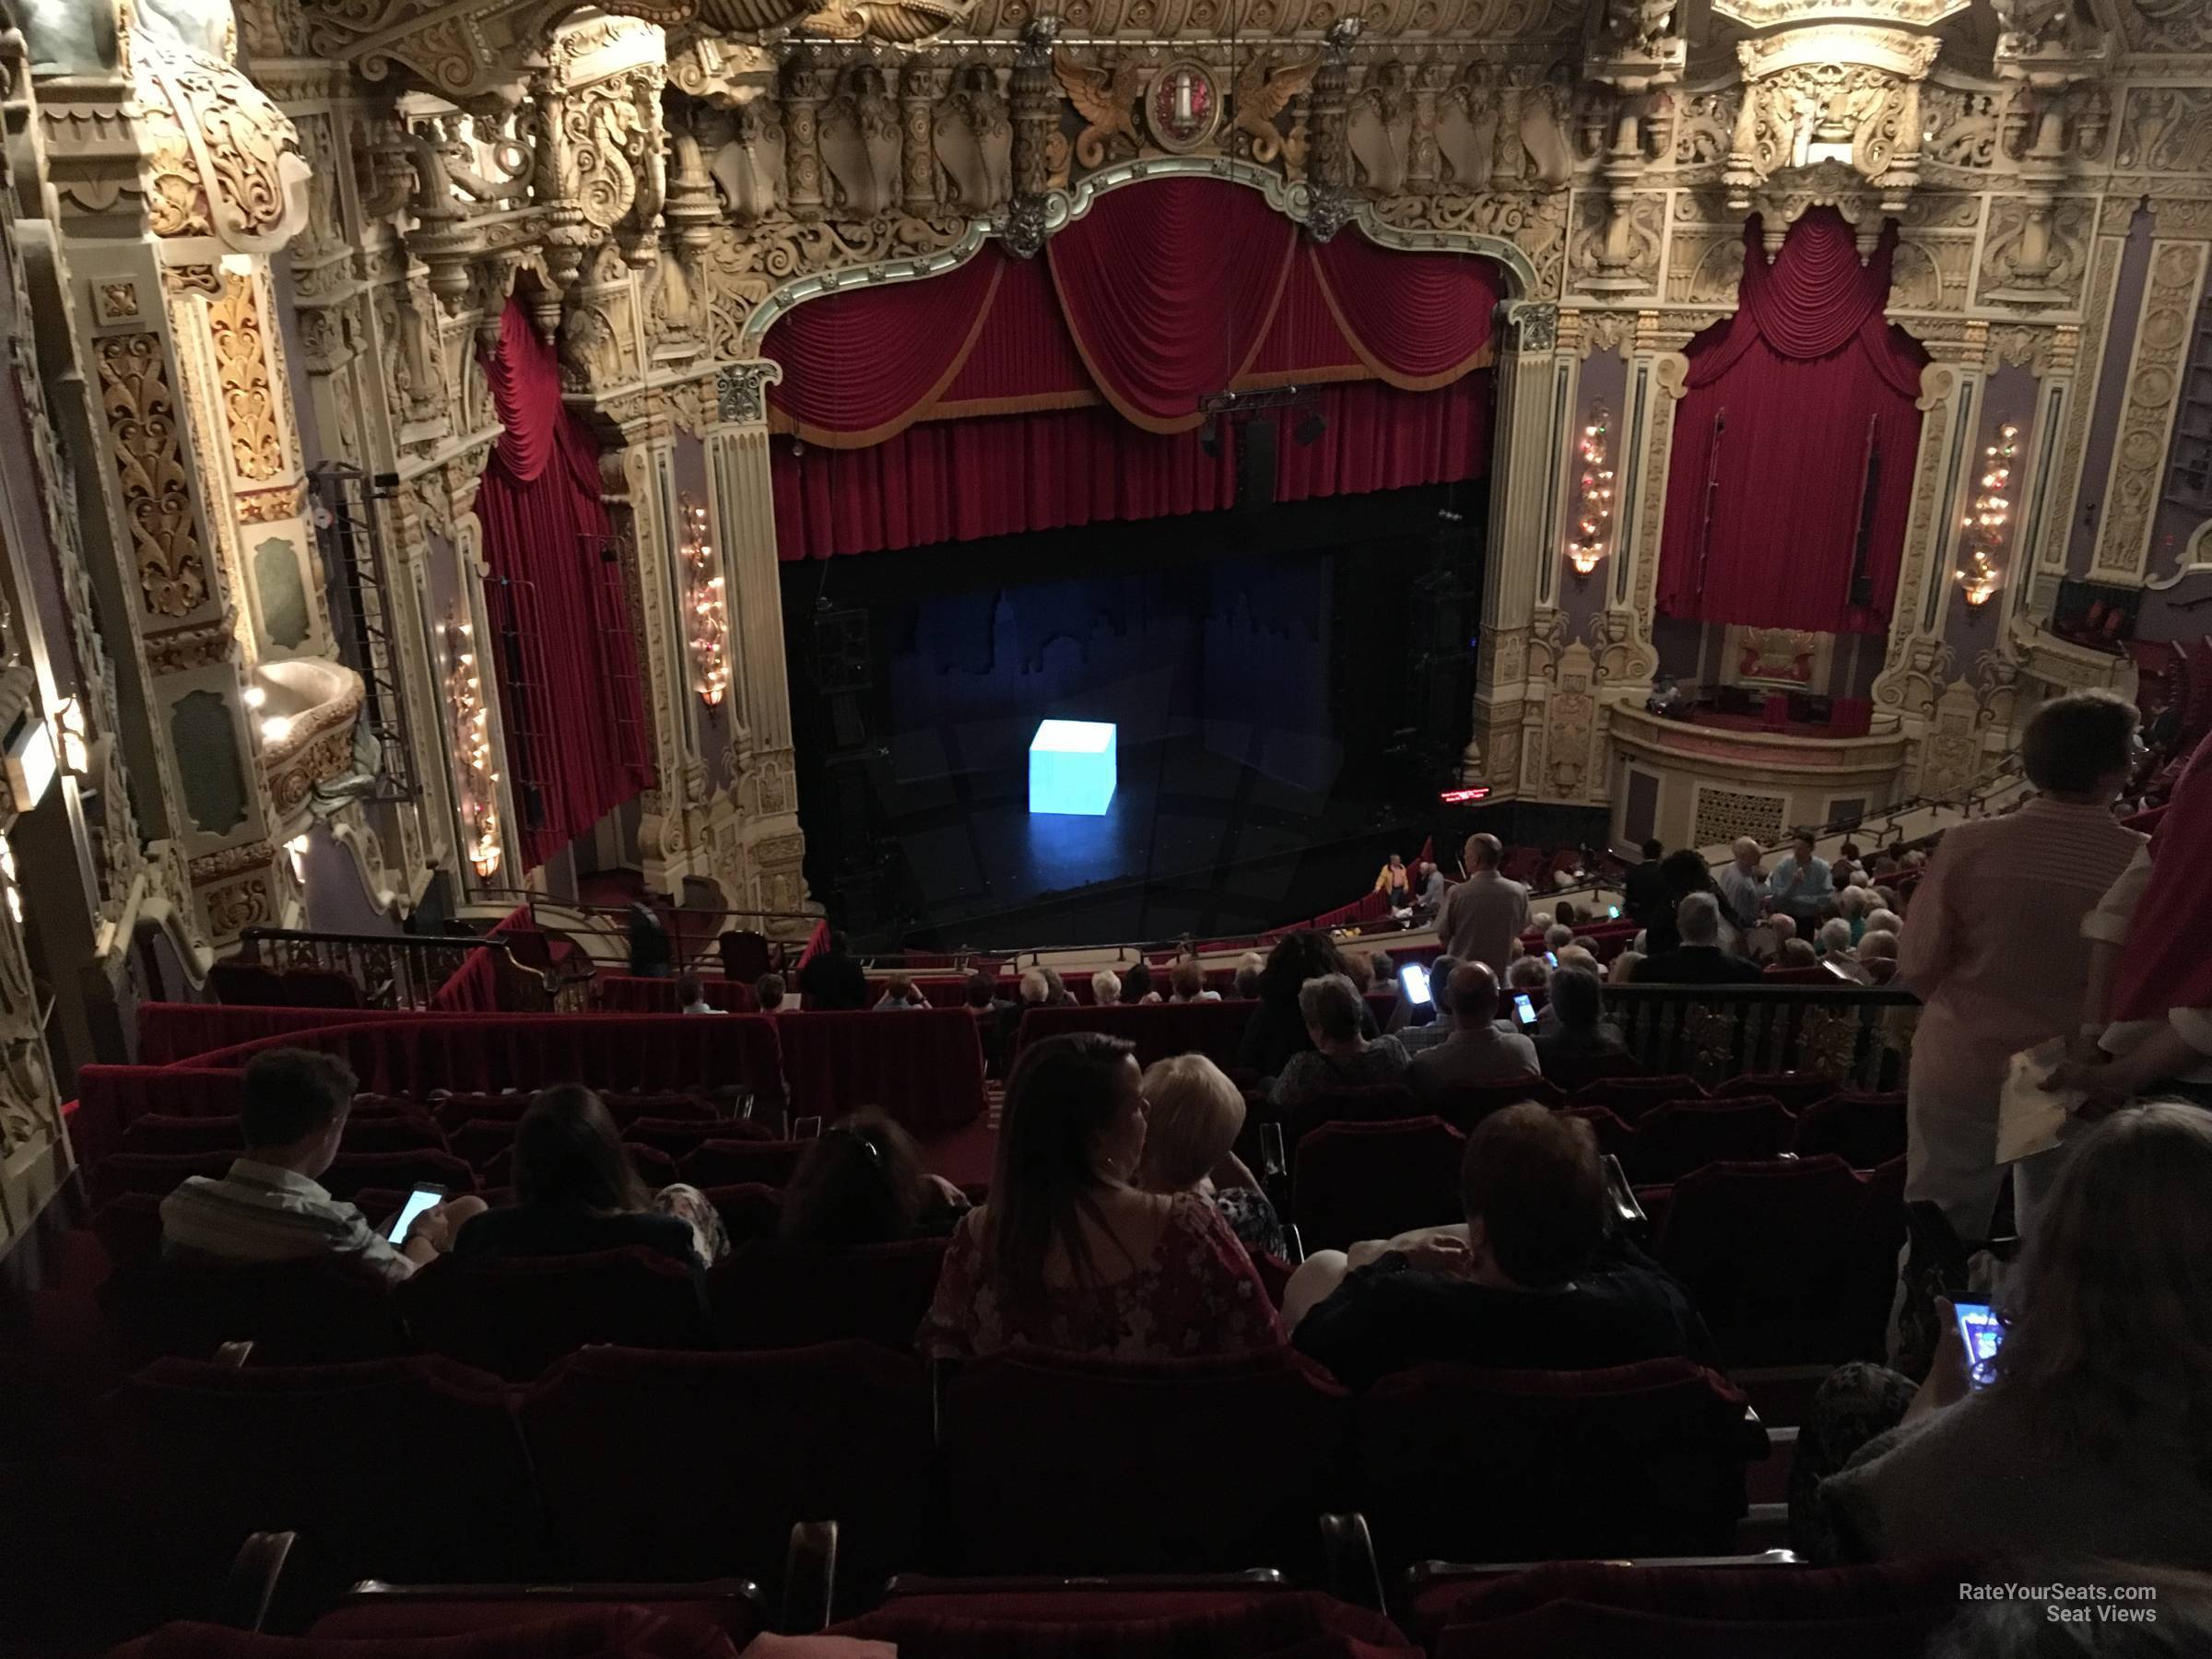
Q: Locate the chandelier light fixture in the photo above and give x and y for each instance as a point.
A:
(1989, 522)
(710, 611)
(1593, 523)
(479, 798)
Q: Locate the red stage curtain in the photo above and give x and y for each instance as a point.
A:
(1418, 321)
(577, 745)
(962, 480)
(865, 368)
(1168, 290)
(1787, 399)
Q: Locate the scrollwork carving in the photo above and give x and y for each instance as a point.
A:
(234, 330)
(147, 446)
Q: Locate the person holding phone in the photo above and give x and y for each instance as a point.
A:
(271, 1207)
(2089, 1437)
(1476, 1051)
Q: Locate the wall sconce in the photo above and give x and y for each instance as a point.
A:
(708, 618)
(1990, 524)
(479, 784)
(1594, 524)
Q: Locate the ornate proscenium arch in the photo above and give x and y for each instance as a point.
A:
(1060, 209)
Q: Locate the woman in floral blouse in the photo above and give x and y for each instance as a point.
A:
(1068, 1254)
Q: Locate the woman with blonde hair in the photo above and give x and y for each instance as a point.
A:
(2088, 1436)
(1192, 1116)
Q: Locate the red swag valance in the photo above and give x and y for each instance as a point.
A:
(1157, 297)
(570, 709)
(1791, 403)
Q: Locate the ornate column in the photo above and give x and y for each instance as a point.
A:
(805, 90)
(2155, 374)
(763, 870)
(1520, 477)
(918, 85)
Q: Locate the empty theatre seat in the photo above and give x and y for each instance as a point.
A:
(1056, 1464)
(769, 1295)
(1570, 1072)
(1372, 1180)
(1776, 1301)
(403, 1469)
(668, 1466)
(1138, 1620)
(1159, 1030)
(515, 1315)
(155, 1173)
(315, 1311)
(733, 1163)
(1612, 1134)
(164, 1134)
(1464, 1105)
(749, 1209)
(129, 1228)
(1463, 1464)
(523, 1628)
(1571, 1609)
(1865, 1131)
(924, 1071)
(1796, 1090)
(1368, 1104)
(1687, 1134)
(1630, 1098)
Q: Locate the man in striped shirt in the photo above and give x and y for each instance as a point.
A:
(270, 1207)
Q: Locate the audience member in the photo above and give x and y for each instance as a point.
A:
(1699, 960)
(1644, 892)
(1341, 1056)
(1528, 973)
(861, 1181)
(1278, 1028)
(1396, 883)
(1105, 988)
(1360, 970)
(1530, 1282)
(650, 954)
(1247, 981)
(1192, 1116)
(1853, 903)
(1383, 974)
(1883, 920)
(1802, 884)
(767, 991)
(1034, 989)
(1477, 1050)
(1067, 1254)
(1741, 884)
(1187, 979)
(996, 1018)
(576, 1192)
(1795, 954)
(1997, 955)
(1539, 924)
(1558, 937)
(1578, 955)
(1686, 873)
(1565, 915)
(1430, 887)
(1062, 998)
(1877, 956)
(1412, 1038)
(2089, 1437)
(1834, 938)
(1575, 1032)
(1627, 968)
(292, 1106)
(900, 992)
(835, 978)
(1484, 914)
(1137, 984)
(1784, 929)
(691, 994)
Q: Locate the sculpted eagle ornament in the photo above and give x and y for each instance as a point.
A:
(1107, 101)
(1264, 91)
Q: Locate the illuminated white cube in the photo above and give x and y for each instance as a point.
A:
(1072, 766)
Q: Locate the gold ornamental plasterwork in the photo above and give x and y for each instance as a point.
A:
(241, 368)
(269, 506)
(2154, 388)
(223, 159)
(147, 449)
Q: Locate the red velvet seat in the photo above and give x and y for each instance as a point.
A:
(769, 1296)
(1570, 1609)
(749, 1209)
(678, 1137)
(480, 1141)
(762, 1441)
(1572, 1073)
(391, 1132)
(315, 1310)
(1109, 1620)
(1613, 1135)
(156, 1173)
(515, 1315)
(1761, 1247)
(1796, 1090)
(129, 1228)
(527, 1631)
(1371, 1181)
(405, 1469)
(1464, 1105)
(1056, 1464)
(1865, 1131)
(350, 1171)
(690, 1613)
(1866, 1264)
(1630, 1098)
(925, 1072)
(165, 1135)
(1687, 1134)
(1369, 1104)
(730, 1162)
(1159, 1030)
(1462, 1464)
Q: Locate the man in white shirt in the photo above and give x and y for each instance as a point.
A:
(1742, 887)
(270, 1207)
(1484, 914)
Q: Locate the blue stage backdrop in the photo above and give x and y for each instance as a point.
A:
(1231, 651)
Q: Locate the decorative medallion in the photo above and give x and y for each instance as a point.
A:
(1182, 106)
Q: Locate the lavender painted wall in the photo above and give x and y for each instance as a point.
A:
(2009, 394)
(2111, 390)
(1603, 384)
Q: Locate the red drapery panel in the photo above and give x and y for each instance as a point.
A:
(1793, 405)
(568, 704)
(1168, 290)
(1418, 321)
(962, 480)
(871, 364)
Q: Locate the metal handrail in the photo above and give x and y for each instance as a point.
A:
(408, 960)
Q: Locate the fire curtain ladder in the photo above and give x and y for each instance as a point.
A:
(349, 535)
